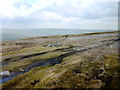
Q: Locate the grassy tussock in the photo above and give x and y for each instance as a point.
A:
(74, 72)
(15, 66)
(31, 50)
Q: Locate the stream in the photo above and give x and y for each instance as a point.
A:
(56, 60)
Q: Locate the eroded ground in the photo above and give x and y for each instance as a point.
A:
(87, 61)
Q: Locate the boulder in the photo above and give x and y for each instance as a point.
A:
(21, 70)
(55, 45)
(5, 73)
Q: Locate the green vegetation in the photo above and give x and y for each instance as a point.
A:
(15, 66)
(112, 67)
(32, 50)
(74, 72)
(90, 75)
(96, 68)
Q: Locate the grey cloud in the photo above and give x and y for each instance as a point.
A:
(94, 12)
(98, 10)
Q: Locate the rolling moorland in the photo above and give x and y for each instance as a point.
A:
(88, 60)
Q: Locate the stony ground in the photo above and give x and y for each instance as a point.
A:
(87, 61)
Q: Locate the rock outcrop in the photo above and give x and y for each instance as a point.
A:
(5, 74)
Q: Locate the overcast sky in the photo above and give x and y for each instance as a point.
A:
(73, 14)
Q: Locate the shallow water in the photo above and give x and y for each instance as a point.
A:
(52, 61)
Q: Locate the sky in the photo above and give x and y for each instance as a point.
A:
(69, 14)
